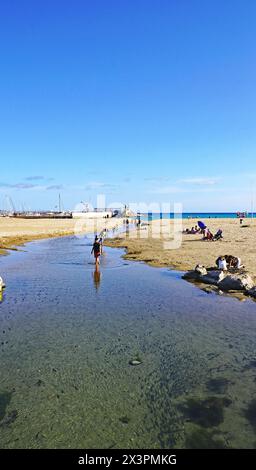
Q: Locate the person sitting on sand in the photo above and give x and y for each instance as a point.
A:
(218, 235)
(222, 263)
(233, 262)
(96, 250)
(230, 262)
(192, 231)
(208, 235)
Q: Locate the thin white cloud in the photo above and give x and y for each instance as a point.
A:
(34, 178)
(200, 181)
(55, 186)
(37, 178)
(96, 185)
(18, 185)
(179, 190)
(157, 179)
(167, 190)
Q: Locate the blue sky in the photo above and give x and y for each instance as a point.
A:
(141, 100)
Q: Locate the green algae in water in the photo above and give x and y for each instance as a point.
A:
(203, 439)
(206, 413)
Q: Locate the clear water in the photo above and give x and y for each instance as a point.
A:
(67, 336)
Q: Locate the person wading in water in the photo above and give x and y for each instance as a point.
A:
(96, 249)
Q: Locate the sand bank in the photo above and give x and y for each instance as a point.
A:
(14, 232)
(146, 244)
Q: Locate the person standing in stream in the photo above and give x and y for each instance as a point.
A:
(96, 250)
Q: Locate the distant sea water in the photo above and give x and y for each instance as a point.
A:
(195, 215)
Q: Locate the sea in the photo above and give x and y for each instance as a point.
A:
(196, 215)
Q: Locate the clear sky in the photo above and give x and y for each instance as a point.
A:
(142, 100)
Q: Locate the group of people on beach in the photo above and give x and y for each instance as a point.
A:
(193, 230)
(228, 261)
(201, 228)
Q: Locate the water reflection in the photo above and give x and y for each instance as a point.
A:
(96, 277)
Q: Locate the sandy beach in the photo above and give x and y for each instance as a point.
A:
(15, 232)
(148, 244)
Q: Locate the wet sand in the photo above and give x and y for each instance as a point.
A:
(16, 232)
(146, 244)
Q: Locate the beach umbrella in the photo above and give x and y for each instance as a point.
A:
(201, 225)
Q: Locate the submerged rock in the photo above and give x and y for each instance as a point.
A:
(250, 413)
(218, 385)
(135, 362)
(206, 413)
(9, 419)
(211, 289)
(124, 419)
(203, 439)
(5, 399)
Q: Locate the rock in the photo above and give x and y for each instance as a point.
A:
(208, 290)
(135, 362)
(201, 270)
(236, 282)
(224, 280)
(200, 274)
(2, 284)
(216, 274)
(252, 292)
(213, 277)
(191, 275)
(124, 419)
(211, 289)
(196, 274)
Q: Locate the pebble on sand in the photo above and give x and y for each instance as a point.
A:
(135, 362)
